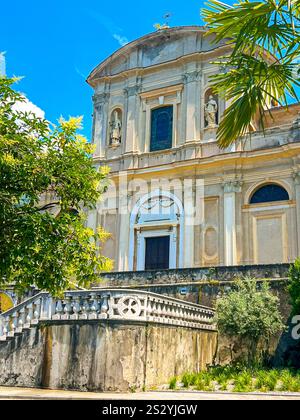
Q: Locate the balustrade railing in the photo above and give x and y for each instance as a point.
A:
(102, 304)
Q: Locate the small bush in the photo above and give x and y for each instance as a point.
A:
(251, 312)
(294, 286)
(243, 382)
(173, 383)
(189, 379)
(267, 380)
(290, 381)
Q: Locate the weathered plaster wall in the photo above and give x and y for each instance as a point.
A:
(197, 285)
(103, 356)
(203, 286)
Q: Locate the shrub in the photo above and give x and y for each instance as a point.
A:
(294, 287)
(250, 312)
(173, 383)
(267, 380)
(189, 379)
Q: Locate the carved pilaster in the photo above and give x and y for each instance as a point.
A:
(231, 188)
(100, 124)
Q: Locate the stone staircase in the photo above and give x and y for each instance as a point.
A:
(103, 304)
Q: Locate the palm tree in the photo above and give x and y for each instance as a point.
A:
(263, 67)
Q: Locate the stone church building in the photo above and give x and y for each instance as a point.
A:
(176, 200)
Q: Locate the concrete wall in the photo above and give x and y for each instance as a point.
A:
(103, 356)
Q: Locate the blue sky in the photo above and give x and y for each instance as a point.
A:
(55, 44)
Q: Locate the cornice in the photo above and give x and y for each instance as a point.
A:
(141, 71)
(218, 162)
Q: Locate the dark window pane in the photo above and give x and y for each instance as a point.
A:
(269, 193)
(157, 253)
(161, 128)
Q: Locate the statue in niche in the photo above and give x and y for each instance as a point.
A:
(211, 112)
(115, 129)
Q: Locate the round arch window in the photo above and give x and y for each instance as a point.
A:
(269, 193)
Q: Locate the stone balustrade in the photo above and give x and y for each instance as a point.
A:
(102, 304)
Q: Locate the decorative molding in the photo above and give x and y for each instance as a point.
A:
(234, 186)
(132, 90)
(296, 174)
(194, 76)
(156, 93)
(168, 199)
(101, 98)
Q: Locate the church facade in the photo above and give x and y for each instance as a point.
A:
(176, 200)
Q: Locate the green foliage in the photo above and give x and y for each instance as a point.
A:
(294, 286)
(43, 168)
(189, 379)
(243, 382)
(173, 383)
(250, 311)
(290, 381)
(243, 378)
(263, 66)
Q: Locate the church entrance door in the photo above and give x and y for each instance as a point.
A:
(157, 253)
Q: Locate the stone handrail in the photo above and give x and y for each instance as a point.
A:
(102, 304)
(28, 313)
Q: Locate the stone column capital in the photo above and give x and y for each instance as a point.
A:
(193, 76)
(233, 186)
(101, 98)
(132, 90)
(296, 177)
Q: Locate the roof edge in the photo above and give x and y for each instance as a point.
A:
(132, 44)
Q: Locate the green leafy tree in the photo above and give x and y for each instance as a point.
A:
(294, 286)
(263, 66)
(251, 312)
(42, 169)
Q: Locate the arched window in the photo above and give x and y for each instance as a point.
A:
(269, 193)
(161, 128)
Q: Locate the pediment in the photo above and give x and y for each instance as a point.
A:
(156, 49)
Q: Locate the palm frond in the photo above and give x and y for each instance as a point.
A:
(264, 64)
(249, 86)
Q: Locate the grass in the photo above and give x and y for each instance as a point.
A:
(240, 378)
